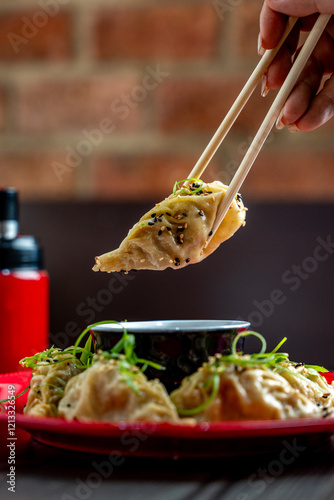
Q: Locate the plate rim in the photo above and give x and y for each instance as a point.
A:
(232, 429)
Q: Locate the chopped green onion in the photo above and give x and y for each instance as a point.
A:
(17, 395)
(87, 356)
(317, 368)
(215, 382)
(279, 345)
(245, 334)
(187, 191)
(271, 360)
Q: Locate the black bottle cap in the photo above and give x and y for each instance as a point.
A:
(9, 207)
(16, 252)
(23, 252)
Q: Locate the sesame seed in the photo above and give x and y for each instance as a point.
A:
(163, 228)
(161, 258)
(177, 263)
(177, 259)
(167, 213)
(181, 236)
(187, 260)
(155, 219)
(153, 215)
(160, 233)
(170, 233)
(210, 233)
(212, 198)
(151, 223)
(184, 214)
(201, 213)
(142, 260)
(186, 225)
(169, 228)
(170, 261)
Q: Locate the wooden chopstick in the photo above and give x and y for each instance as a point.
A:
(270, 118)
(239, 104)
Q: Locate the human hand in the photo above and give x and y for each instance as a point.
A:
(311, 103)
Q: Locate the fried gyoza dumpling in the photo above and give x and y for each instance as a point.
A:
(175, 232)
(47, 385)
(253, 393)
(102, 392)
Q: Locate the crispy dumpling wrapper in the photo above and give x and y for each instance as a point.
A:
(47, 384)
(175, 232)
(102, 393)
(255, 392)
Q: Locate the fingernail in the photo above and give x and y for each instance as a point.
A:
(260, 49)
(279, 123)
(293, 128)
(264, 88)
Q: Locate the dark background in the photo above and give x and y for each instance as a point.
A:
(236, 282)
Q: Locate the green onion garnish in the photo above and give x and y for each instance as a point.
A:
(123, 351)
(191, 190)
(271, 360)
(17, 395)
(215, 381)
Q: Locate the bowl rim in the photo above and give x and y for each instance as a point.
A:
(172, 326)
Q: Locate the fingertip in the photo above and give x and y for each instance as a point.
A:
(293, 128)
(279, 122)
(260, 49)
(279, 68)
(272, 26)
(320, 112)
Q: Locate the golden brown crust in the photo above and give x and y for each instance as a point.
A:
(102, 393)
(253, 393)
(47, 385)
(175, 232)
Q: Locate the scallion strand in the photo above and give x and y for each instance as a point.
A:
(186, 191)
(215, 387)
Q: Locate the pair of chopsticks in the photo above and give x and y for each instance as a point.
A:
(270, 118)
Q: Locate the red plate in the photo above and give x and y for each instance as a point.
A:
(167, 439)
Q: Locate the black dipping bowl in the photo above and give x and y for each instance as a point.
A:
(181, 346)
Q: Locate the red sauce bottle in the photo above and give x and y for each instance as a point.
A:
(24, 289)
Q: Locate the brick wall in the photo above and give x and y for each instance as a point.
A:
(116, 99)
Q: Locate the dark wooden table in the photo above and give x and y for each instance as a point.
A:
(47, 473)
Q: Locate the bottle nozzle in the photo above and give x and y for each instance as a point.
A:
(9, 213)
